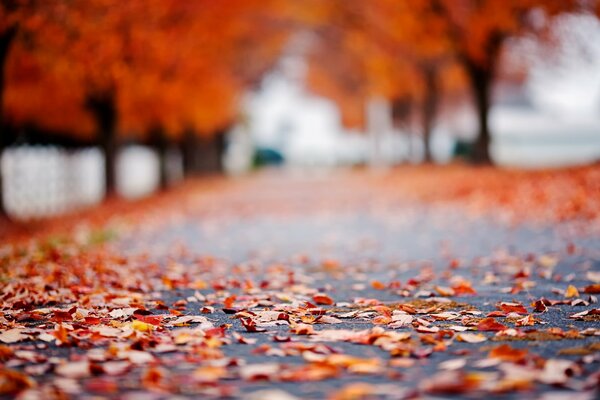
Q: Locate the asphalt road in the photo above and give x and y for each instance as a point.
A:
(304, 223)
(274, 242)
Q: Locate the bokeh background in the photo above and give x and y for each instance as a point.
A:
(104, 98)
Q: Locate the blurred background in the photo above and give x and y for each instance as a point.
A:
(102, 98)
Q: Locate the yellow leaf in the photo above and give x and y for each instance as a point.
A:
(141, 326)
(571, 292)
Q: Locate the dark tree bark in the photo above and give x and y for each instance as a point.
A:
(402, 108)
(188, 146)
(6, 39)
(481, 77)
(161, 143)
(430, 105)
(103, 108)
(202, 154)
(481, 81)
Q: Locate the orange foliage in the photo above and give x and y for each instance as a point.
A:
(170, 63)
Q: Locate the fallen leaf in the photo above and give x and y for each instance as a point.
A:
(323, 299)
(254, 372)
(302, 329)
(571, 292)
(490, 324)
(12, 336)
(13, 382)
(74, 370)
(507, 353)
(471, 337)
(512, 307)
(141, 326)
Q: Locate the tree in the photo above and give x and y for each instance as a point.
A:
(477, 30)
(6, 39)
(117, 70)
(8, 32)
(381, 48)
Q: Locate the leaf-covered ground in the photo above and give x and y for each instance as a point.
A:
(419, 282)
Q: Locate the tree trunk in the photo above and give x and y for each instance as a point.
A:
(165, 181)
(158, 138)
(3, 212)
(481, 80)
(6, 39)
(188, 146)
(103, 108)
(202, 154)
(430, 104)
(481, 76)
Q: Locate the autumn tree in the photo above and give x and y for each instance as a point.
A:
(412, 37)
(477, 30)
(8, 32)
(75, 57)
(149, 71)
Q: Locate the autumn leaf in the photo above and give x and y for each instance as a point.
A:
(377, 285)
(323, 299)
(592, 289)
(571, 292)
(302, 329)
(490, 324)
(142, 326)
(470, 337)
(250, 325)
(507, 353)
(12, 336)
(13, 382)
(539, 306)
(512, 307)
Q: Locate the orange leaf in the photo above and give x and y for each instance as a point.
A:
(323, 299)
(507, 353)
(512, 307)
(571, 292)
(377, 285)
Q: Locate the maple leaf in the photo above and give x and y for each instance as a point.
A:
(140, 326)
(12, 336)
(302, 329)
(490, 324)
(13, 382)
(512, 307)
(255, 372)
(507, 353)
(539, 306)
(250, 325)
(470, 337)
(377, 285)
(464, 288)
(571, 292)
(592, 289)
(74, 370)
(61, 334)
(382, 320)
(323, 299)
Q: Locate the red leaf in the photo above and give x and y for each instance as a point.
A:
(490, 324)
(323, 299)
(512, 307)
(250, 325)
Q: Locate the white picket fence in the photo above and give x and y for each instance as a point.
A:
(41, 181)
